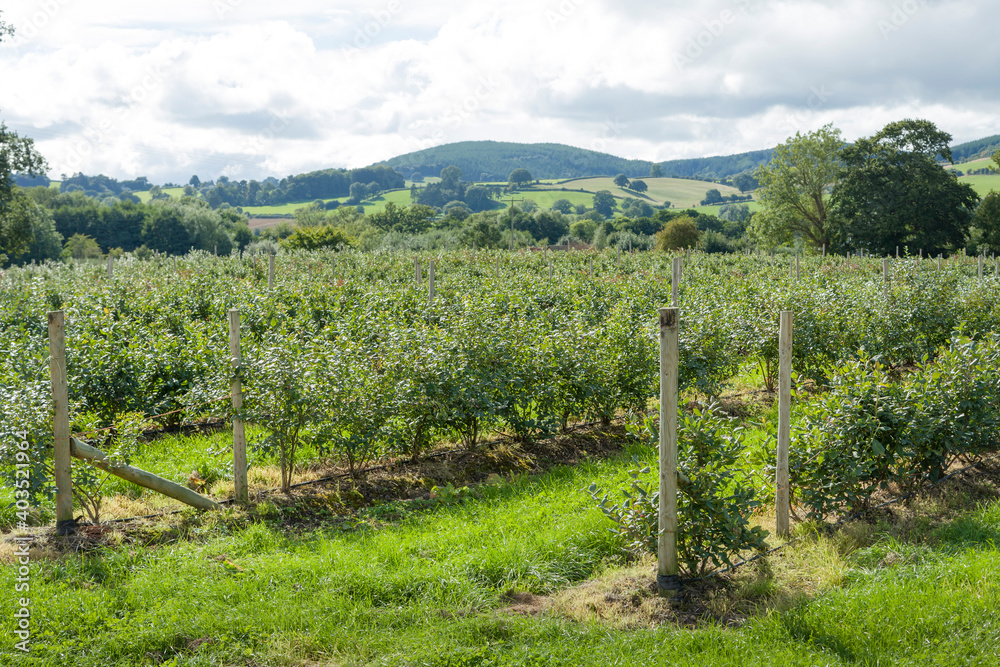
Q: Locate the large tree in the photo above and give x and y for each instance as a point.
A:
(894, 193)
(793, 189)
(604, 203)
(519, 177)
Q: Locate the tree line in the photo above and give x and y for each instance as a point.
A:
(883, 192)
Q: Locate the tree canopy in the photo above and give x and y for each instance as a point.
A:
(892, 192)
(794, 186)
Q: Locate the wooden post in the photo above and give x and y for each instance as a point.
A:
(921, 255)
(111, 267)
(270, 270)
(667, 581)
(797, 273)
(784, 422)
(897, 252)
(99, 459)
(675, 282)
(939, 262)
(65, 524)
(630, 245)
(242, 492)
(416, 270)
(618, 248)
(885, 277)
(430, 284)
(824, 251)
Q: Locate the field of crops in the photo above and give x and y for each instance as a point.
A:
(378, 368)
(354, 352)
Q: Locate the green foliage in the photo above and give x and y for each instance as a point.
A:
(793, 190)
(313, 238)
(604, 203)
(892, 192)
(519, 177)
(680, 232)
(714, 505)
(869, 432)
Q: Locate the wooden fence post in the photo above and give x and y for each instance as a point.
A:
(824, 251)
(111, 267)
(430, 284)
(675, 282)
(885, 277)
(667, 581)
(65, 524)
(242, 492)
(784, 422)
(270, 271)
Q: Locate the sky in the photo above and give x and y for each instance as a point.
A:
(250, 89)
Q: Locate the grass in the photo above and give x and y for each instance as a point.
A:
(982, 163)
(523, 572)
(982, 184)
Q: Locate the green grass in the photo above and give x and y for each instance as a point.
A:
(432, 589)
(714, 210)
(545, 198)
(145, 196)
(982, 163)
(680, 192)
(401, 197)
(982, 184)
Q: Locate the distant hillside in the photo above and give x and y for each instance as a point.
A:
(721, 166)
(494, 160)
(975, 149)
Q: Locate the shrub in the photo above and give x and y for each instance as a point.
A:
(713, 504)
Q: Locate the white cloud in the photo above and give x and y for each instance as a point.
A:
(254, 88)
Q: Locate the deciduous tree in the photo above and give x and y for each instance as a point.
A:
(894, 193)
(794, 187)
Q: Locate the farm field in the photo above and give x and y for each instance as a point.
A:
(495, 406)
(982, 163)
(145, 196)
(401, 197)
(982, 183)
(680, 192)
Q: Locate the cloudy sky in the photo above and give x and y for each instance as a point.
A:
(250, 88)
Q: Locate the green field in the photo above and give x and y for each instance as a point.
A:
(492, 552)
(145, 196)
(983, 183)
(400, 197)
(982, 163)
(680, 192)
